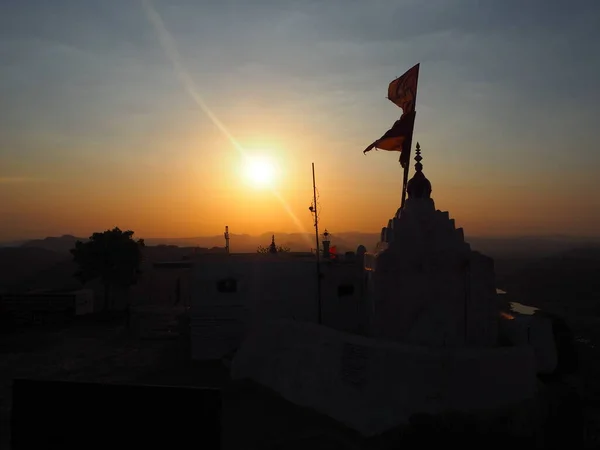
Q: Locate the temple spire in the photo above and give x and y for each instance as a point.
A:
(418, 186)
(273, 246)
(418, 159)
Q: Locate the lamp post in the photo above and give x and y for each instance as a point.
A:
(326, 241)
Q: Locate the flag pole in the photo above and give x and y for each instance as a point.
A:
(406, 168)
(407, 160)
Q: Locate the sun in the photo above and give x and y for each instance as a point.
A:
(260, 172)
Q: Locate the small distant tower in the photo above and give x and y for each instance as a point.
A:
(273, 247)
(226, 234)
(326, 241)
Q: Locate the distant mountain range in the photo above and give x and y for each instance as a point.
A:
(535, 270)
(344, 241)
(62, 244)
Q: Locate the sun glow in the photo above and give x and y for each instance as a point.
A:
(260, 172)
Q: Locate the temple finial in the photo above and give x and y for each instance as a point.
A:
(418, 159)
(418, 186)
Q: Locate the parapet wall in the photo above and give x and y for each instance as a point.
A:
(263, 289)
(372, 385)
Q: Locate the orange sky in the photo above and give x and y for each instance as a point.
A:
(132, 116)
(193, 195)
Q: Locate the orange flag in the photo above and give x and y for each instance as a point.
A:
(397, 138)
(403, 91)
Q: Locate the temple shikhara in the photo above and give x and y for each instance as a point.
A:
(448, 291)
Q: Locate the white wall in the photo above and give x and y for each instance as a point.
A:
(373, 385)
(344, 312)
(426, 285)
(268, 287)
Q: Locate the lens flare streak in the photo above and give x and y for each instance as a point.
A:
(169, 46)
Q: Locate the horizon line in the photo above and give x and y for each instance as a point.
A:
(467, 236)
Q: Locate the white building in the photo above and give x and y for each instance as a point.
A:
(232, 293)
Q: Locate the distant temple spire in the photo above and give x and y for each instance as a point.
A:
(273, 247)
(418, 186)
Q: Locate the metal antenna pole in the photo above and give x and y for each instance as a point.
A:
(316, 213)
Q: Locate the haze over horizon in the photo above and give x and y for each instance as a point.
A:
(144, 114)
(592, 239)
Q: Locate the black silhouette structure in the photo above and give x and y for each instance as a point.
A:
(67, 415)
(112, 255)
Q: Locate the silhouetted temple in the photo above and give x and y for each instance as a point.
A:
(273, 247)
(415, 326)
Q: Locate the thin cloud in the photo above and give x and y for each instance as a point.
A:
(170, 48)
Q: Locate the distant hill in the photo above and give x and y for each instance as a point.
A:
(538, 270)
(62, 244)
(496, 247)
(156, 253)
(7, 244)
(245, 243)
(528, 246)
(505, 247)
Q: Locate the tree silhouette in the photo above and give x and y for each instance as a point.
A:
(280, 249)
(113, 256)
(273, 248)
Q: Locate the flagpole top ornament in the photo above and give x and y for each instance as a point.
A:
(418, 186)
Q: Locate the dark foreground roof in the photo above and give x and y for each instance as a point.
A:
(69, 415)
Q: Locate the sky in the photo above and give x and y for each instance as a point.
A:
(144, 114)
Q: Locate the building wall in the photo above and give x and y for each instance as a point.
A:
(372, 385)
(419, 300)
(426, 286)
(343, 293)
(267, 287)
(158, 286)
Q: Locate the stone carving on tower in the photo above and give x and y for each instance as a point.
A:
(427, 287)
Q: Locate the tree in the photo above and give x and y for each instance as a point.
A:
(273, 248)
(280, 249)
(113, 256)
